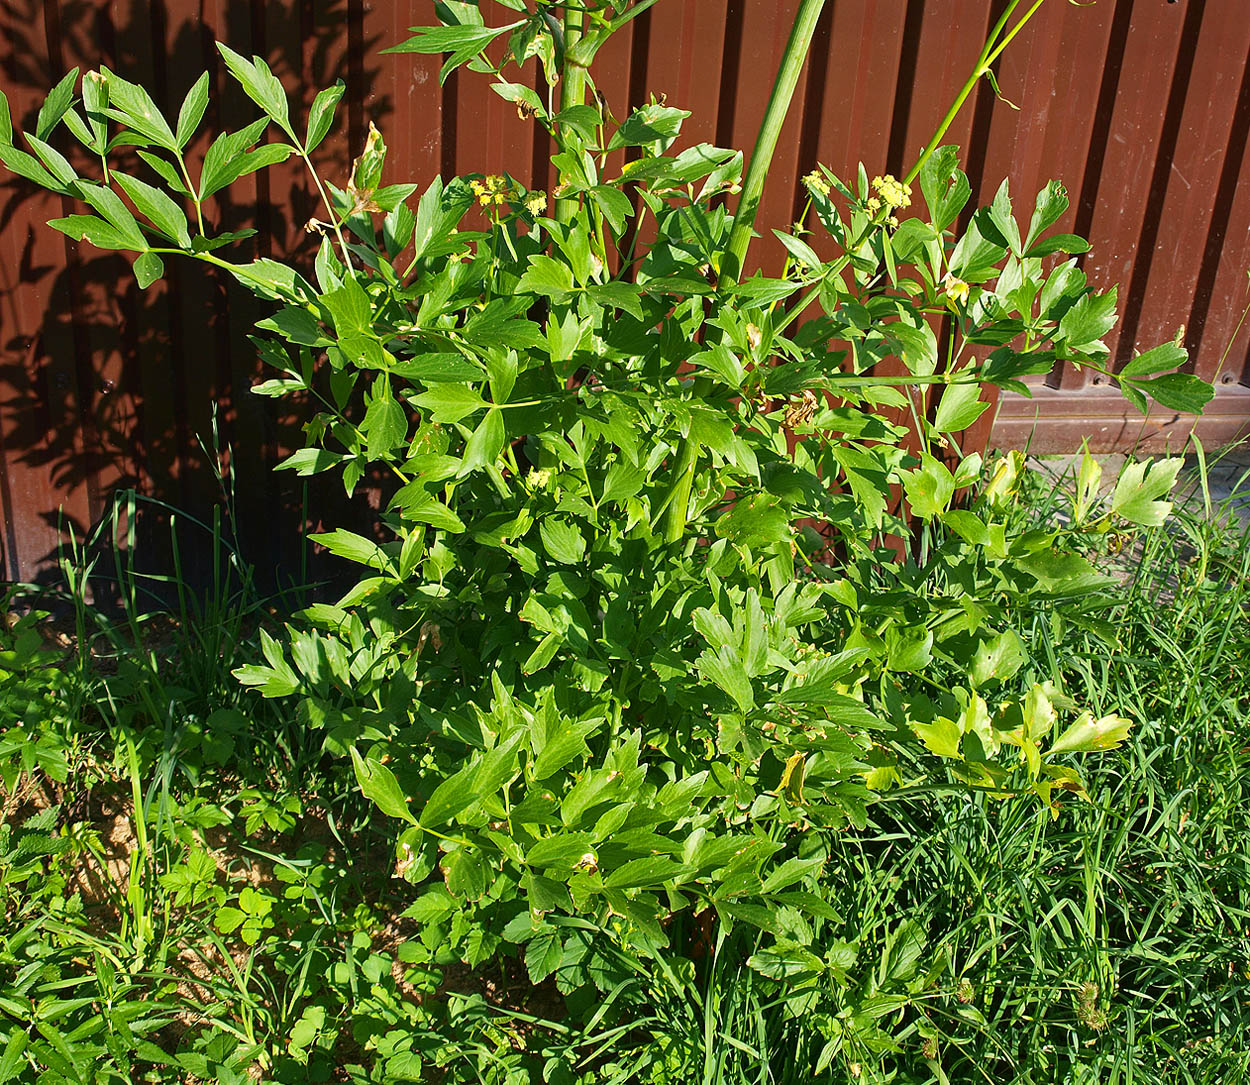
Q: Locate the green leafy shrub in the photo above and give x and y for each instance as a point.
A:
(670, 584)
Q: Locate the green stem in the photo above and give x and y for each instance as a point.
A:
(989, 54)
(678, 499)
(325, 199)
(572, 92)
(792, 61)
(1015, 29)
(186, 176)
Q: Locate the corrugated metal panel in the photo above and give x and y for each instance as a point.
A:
(1141, 106)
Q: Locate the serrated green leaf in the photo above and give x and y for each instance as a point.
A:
(945, 187)
(997, 659)
(485, 443)
(448, 39)
(56, 163)
(800, 250)
(958, 408)
(1071, 244)
(562, 541)
(929, 487)
(416, 504)
(1052, 202)
(6, 122)
(725, 670)
(467, 873)
(56, 105)
(311, 461)
(1088, 320)
(641, 873)
(543, 953)
(353, 547)
(547, 277)
(431, 907)
(785, 962)
(167, 172)
(758, 519)
(89, 228)
(25, 165)
(13, 1060)
(1178, 392)
(225, 159)
(133, 106)
(452, 796)
(449, 403)
(1166, 356)
(296, 325)
(565, 746)
(1139, 491)
(560, 851)
(385, 423)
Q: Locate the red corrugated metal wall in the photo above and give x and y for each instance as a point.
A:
(1141, 107)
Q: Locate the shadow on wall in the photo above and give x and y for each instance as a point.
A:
(106, 386)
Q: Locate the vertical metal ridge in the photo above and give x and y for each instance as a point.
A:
(1134, 295)
(355, 77)
(1104, 107)
(909, 53)
(447, 151)
(1217, 233)
(731, 61)
(813, 103)
(976, 154)
(78, 369)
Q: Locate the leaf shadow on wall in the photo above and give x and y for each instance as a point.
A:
(104, 386)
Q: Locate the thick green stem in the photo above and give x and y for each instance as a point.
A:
(766, 142)
(572, 92)
(678, 499)
(734, 257)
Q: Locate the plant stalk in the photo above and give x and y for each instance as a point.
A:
(989, 54)
(734, 256)
(572, 93)
(792, 61)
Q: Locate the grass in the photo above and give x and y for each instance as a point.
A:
(193, 892)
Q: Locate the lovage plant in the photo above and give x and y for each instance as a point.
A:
(669, 582)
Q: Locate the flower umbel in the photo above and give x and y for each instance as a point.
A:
(816, 184)
(894, 194)
(492, 190)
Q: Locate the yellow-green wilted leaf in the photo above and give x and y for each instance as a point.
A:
(1088, 734)
(941, 737)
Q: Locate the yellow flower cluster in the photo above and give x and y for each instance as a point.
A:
(815, 183)
(491, 190)
(536, 203)
(893, 192)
